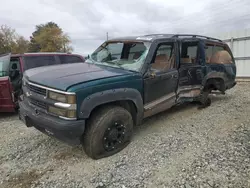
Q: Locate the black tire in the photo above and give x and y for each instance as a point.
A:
(204, 99)
(98, 137)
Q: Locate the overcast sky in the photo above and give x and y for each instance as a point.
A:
(87, 21)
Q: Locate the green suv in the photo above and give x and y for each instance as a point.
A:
(123, 81)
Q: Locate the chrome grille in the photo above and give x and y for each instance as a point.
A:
(36, 89)
(38, 103)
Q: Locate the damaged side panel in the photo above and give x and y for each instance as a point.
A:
(189, 91)
(222, 77)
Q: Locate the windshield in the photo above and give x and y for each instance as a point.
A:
(4, 65)
(125, 55)
(39, 61)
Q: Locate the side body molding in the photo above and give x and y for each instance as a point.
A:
(113, 95)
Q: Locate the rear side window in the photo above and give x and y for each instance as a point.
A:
(189, 53)
(217, 54)
(38, 61)
(69, 59)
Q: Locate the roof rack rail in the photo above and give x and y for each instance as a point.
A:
(196, 36)
(154, 34)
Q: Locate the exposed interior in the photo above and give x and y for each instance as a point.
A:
(129, 55)
(164, 57)
(188, 52)
(218, 55)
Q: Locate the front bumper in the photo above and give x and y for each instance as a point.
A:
(64, 130)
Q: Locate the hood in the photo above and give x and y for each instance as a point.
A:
(61, 77)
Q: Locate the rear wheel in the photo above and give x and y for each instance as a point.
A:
(108, 131)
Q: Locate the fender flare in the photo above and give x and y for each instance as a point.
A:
(112, 95)
(213, 75)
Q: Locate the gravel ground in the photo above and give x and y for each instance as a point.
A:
(182, 147)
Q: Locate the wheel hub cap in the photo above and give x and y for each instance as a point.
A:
(114, 136)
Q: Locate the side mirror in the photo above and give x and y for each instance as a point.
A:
(151, 73)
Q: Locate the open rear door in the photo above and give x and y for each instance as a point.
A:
(6, 91)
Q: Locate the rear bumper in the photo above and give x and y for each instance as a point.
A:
(230, 85)
(64, 130)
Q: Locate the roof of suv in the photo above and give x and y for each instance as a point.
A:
(153, 37)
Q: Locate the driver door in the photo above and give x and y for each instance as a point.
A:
(6, 90)
(161, 82)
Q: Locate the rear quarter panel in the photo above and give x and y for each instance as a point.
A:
(227, 72)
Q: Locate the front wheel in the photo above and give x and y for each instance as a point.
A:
(108, 131)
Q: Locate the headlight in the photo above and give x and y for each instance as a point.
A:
(62, 112)
(69, 99)
(65, 105)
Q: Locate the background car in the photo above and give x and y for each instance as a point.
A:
(12, 67)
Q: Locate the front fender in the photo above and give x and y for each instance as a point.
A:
(107, 96)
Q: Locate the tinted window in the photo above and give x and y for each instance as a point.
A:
(38, 61)
(192, 51)
(208, 52)
(164, 58)
(217, 54)
(115, 50)
(124, 55)
(189, 52)
(218, 48)
(14, 64)
(69, 59)
(164, 49)
(136, 50)
(14, 73)
(4, 65)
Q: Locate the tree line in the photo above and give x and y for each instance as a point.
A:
(48, 37)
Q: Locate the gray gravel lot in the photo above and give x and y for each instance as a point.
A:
(182, 147)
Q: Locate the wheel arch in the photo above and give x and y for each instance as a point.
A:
(214, 81)
(128, 98)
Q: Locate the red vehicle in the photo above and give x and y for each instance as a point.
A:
(13, 66)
